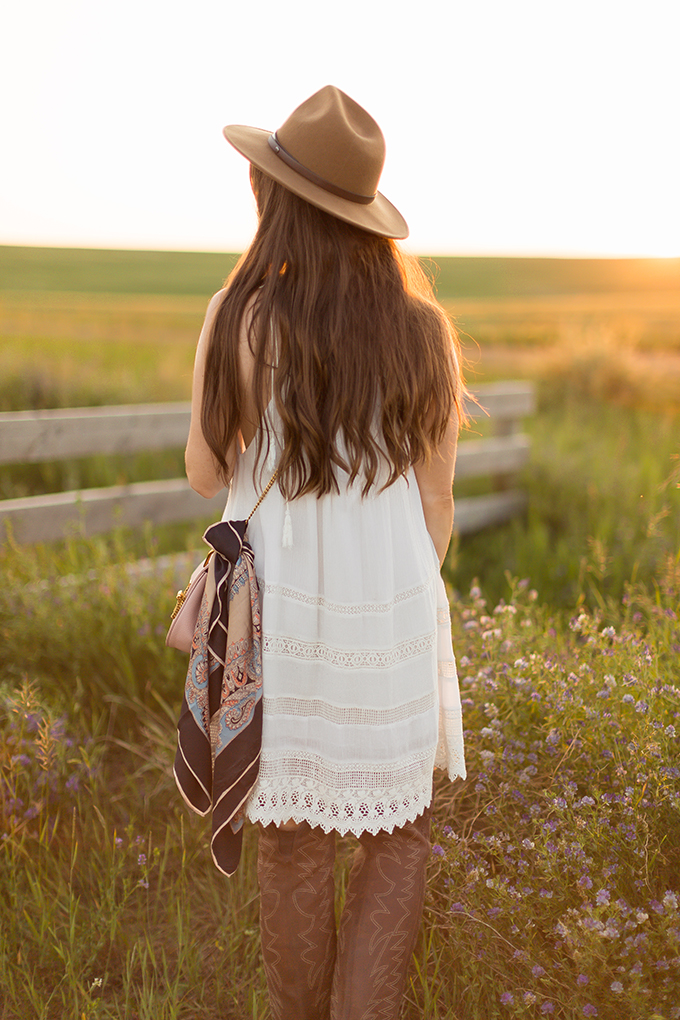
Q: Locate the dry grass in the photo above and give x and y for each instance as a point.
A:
(104, 317)
(634, 321)
(62, 350)
(640, 321)
(623, 348)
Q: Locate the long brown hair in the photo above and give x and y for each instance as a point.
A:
(366, 360)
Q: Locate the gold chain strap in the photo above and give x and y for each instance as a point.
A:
(264, 493)
(182, 594)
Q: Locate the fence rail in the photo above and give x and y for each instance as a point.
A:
(38, 436)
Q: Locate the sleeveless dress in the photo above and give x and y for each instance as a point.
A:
(360, 693)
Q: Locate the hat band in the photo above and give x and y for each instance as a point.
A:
(321, 182)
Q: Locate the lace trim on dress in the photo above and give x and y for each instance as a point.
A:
(352, 797)
(342, 715)
(307, 766)
(449, 755)
(365, 658)
(352, 608)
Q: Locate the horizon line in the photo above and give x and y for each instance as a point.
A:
(486, 254)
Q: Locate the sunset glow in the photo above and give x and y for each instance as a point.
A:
(518, 129)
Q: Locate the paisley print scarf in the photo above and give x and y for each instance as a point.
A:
(219, 733)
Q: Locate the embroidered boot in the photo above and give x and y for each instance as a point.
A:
(297, 919)
(380, 922)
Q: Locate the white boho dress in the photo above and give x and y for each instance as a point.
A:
(360, 693)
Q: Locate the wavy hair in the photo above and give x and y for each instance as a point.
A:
(366, 361)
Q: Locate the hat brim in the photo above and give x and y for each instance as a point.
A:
(379, 217)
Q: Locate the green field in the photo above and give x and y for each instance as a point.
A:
(202, 273)
(93, 271)
(554, 887)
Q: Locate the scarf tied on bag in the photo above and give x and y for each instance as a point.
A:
(219, 734)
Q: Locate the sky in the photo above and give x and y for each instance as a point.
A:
(513, 127)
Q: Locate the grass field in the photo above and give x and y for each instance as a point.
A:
(554, 884)
(202, 273)
(100, 271)
(58, 308)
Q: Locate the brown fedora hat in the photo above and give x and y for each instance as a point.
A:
(330, 152)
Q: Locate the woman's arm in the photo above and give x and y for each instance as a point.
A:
(435, 482)
(203, 471)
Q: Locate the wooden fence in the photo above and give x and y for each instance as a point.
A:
(38, 436)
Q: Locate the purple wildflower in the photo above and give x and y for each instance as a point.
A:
(507, 998)
(589, 1009)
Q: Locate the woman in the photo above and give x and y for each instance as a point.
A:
(326, 357)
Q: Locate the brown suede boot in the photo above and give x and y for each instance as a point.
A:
(380, 922)
(297, 919)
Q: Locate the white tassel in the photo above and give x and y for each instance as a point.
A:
(287, 537)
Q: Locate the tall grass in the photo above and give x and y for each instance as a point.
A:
(75, 617)
(110, 904)
(554, 875)
(556, 889)
(603, 504)
(56, 372)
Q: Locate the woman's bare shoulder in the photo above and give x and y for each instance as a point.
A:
(214, 305)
